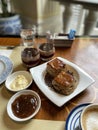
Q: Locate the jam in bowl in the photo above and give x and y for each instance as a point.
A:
(23, 105)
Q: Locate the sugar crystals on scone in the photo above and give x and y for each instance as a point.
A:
(64, 83)
(55, 66)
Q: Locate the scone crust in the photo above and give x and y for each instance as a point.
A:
(64, 79)
(64, 83)
(55, 66)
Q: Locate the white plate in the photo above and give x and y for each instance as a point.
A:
(6, 67)
(38, 75)
(73, 120)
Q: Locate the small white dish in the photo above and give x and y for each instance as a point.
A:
(15, 96)
(38, 74)
(12, 78)
(6, 67)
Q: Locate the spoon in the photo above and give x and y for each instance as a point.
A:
(9, 47)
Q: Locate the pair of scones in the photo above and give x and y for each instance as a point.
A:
(64, 81)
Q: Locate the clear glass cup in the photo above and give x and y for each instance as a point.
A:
(30, 56)
(47, 49)
(27, 36)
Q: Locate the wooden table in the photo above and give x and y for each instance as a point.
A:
(84, 53)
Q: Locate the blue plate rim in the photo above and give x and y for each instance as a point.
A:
(9, 67)
(70, 114)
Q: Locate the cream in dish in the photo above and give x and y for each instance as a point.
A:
(20, 82)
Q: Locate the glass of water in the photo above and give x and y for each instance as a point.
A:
(27, 36)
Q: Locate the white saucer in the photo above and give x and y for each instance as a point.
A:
(72, 122)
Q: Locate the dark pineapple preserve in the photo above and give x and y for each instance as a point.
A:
(47, 51)
(30, 57)
(24, 106)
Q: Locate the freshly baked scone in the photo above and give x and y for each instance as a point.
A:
(64, 83)
(55, 66)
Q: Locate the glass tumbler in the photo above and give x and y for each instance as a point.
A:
(30, 56)
(47, 49)
(27, 36)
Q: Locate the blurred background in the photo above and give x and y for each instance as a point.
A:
(58, 16)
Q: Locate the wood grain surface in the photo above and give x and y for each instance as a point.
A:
(84, 53)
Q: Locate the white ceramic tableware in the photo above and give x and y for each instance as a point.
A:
(13, 77)
(73, 119)
(14, 97)
(6, 68)
(38, 73)
(89, 117)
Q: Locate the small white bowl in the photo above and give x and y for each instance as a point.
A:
(89, 117)
(13, 76)
(12, 99)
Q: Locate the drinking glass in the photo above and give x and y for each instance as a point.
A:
(47, 49)
(30, 55)
(27, 36)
